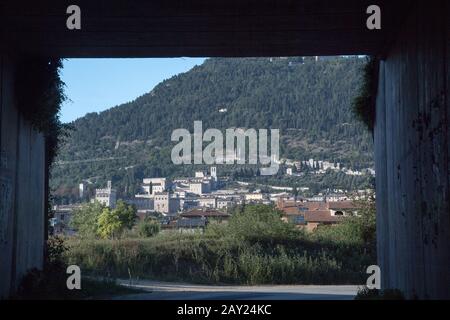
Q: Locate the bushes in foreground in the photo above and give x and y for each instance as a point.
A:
(148, 228)
(211, 261)
(50, 282)
(255, 247)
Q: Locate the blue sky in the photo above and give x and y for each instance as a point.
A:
(94, 85)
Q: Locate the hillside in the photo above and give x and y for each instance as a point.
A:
(309, 102)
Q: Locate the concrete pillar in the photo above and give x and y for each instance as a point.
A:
(412, 156)
(22, 186)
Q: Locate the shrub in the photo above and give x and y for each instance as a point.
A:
(148, 228)
(259, 223)
(50, 282)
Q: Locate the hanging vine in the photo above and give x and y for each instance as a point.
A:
(364, 104)
(39, 95)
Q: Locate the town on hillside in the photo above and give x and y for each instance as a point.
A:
(188, 204)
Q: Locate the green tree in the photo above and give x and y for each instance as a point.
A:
(112, 223)
(259, 222)
(295, 192)
(358, 228)
(85, 219)
(365, 223)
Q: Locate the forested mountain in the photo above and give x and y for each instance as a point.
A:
(308, 100)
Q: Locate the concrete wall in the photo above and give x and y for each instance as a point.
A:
(412, 156)
(22, 187)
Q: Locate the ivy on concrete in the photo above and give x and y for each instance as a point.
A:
(364, 104)
(39, 93)
(39, 96)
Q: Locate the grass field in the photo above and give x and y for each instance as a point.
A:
(255, 247)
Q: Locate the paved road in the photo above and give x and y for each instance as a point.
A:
(183, 291)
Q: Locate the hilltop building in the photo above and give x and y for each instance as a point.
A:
(151, 186)
(82, 190)
(107, 197)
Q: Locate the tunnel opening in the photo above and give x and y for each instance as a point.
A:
(410, 134)
(120, 160)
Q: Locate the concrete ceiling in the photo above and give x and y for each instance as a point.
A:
(206, 28)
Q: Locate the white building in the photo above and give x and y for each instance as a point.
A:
(152, 186)
(224, 203)
(107, 197)
(81, 190)
(201, 174)
(317, 198)
(254, 197)
(214, 173)
(188, 203)
(210, 202)
(336, 197)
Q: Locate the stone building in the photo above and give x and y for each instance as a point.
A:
(107, 196)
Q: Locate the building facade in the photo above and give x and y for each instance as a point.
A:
(107, 196)
(165, 203)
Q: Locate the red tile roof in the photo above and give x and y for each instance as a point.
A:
(315, 211)
(341, 205)
(320, 216)
(313, 206)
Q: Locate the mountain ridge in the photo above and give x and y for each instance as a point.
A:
(308, 100)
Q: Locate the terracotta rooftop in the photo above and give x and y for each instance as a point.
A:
(313, 205)
(320, 216)
(341, 205)
(312, 215)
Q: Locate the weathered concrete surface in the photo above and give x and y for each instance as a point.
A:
(205, 28)
(22, 180)
(412, 156)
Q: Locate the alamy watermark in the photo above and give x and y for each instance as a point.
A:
(373, 22)
(74, 280)
(73, 21)
(374, 280)
(242, 146)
